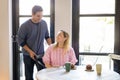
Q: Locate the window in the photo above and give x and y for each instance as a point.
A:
(26, 6)
(25, 11)
(96, 26)
(96, 34)
(93, 30)
(97, 7)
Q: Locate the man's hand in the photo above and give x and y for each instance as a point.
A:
(32, 55)
(49, 41)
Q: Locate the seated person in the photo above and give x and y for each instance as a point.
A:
(60, 52)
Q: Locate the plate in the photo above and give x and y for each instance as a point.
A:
(89, 70)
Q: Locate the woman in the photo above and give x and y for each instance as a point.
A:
(59, 53)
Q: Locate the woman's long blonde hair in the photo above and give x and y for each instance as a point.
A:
(66, 42)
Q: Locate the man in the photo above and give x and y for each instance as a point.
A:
(31, 37)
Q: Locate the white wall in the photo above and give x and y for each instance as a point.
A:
(5, 59)
(63, 15)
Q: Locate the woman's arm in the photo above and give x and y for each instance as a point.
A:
(72, 58)
(46, 58)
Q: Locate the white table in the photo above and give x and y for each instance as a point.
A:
(78, 74)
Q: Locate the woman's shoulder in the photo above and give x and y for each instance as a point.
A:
(70, 49)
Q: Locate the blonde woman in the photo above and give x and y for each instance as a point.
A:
(60, 52)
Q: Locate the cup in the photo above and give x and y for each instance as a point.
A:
(98, 69)
(67, 66)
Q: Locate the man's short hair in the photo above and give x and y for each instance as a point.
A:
(36, 8)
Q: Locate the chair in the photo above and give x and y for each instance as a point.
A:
(114, 56)
(116, 59)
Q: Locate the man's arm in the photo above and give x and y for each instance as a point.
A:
(49, 41)
(21, 40)
(31, 53)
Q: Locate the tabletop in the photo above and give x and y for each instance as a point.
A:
(78, 74)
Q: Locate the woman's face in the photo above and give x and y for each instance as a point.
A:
(60, 37)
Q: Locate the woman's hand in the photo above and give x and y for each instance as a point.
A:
(47, 65)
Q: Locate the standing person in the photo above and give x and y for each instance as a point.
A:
(31, 35)
(59, 53)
